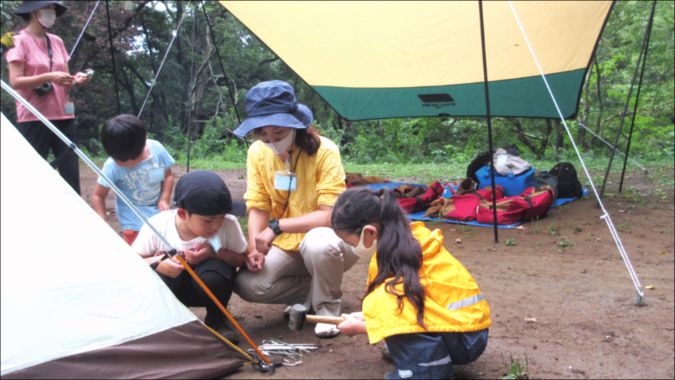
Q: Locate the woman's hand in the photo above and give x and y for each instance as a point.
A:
(353, 323)
(64, 79)
(254, 261)
(81, 78)
(263, 241)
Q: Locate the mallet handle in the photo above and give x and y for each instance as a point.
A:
(324, 319)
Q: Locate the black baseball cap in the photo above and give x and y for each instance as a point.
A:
(205, 193)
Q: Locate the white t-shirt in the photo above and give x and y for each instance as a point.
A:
(147, 243)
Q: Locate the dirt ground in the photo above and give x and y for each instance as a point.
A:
(560, 295)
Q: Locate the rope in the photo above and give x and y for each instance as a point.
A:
(159, 70)
(605, 216)
(637, 96)
(489, 120)
(609, 144)
(86, 24)
(112, 56)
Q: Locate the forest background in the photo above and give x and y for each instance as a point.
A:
(198, 96)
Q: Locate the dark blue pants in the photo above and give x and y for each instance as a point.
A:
(218, 277)
(43, 140)
(431, 355)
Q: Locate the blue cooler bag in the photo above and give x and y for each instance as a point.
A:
(512, 184)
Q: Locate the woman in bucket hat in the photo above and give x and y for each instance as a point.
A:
(38, 71)
(294, 177)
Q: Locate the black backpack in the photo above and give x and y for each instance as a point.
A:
(568, 183)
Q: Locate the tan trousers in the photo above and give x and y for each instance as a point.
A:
(312, 276)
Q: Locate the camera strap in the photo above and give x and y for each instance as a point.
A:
(49, 51)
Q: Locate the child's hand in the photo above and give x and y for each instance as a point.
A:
(170, 268)
(353, 324)
(198, 254)
(163, 205)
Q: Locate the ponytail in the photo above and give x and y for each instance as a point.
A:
(399, 255)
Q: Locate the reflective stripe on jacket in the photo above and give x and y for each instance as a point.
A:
(453, 301)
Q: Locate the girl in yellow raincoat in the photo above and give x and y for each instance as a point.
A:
(419, 299)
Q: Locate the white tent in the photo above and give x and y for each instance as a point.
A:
(76, 301)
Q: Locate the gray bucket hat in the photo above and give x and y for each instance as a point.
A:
(27, 7)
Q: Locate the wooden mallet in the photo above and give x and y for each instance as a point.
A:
(298, 316)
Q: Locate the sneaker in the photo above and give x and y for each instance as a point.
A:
(326, 330)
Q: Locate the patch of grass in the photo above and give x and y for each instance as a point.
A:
(418, 172)
(214, 163)
(510, 242)
(553, 230)
(516, 371)
(563, 243)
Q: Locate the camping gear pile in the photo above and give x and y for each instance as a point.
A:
(521, 192)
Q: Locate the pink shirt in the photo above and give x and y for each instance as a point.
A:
(32, 51)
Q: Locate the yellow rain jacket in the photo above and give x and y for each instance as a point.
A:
(453, 302)
(320, 180)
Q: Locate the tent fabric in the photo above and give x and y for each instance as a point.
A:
(75, 298)
(372, 59)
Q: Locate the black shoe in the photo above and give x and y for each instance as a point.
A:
(228, 333)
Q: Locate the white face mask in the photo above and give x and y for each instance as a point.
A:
(47, 17)
(361, 249)
(283, 145)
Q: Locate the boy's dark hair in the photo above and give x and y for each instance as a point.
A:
(399, 255)
(123, 137)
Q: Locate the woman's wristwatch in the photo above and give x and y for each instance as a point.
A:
(274, 226)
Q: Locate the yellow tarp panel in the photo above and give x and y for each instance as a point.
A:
(372, 44)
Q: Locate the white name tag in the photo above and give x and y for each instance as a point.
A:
(285, 181)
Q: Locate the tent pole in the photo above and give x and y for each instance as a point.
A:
(645, 41)
(190, 87)
(637, 96)
(486, 91)
(112, 57)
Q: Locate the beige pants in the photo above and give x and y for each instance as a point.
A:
(312, 276)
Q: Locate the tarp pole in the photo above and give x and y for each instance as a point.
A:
(637, 96)
(645, 42)
(489, 121)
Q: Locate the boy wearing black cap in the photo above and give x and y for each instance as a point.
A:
(203, 229)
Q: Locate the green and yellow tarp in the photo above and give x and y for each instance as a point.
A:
(373, 59)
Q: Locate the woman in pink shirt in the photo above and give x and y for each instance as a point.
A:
(38, 71)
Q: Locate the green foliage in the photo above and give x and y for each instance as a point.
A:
(511, 242)
(194, 82)
(516, 370)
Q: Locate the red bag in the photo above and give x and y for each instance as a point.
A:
(539, 202)
(464, 207)
(421, 202)
(486, 192)
(509, 210)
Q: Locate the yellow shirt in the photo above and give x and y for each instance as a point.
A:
(320, 180)
(453, 301)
